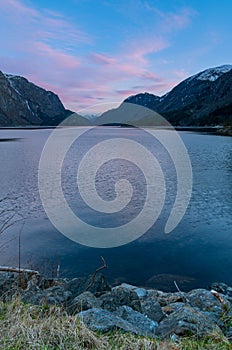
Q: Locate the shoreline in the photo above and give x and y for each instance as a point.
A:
(211, 129)
(143, 312)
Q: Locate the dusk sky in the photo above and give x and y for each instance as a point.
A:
(99, 51)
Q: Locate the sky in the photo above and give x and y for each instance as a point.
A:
(101, 51)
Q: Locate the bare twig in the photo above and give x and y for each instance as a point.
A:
(58, 270)
(9, 213)
(182, 293)
(19, 248)
(104, 266)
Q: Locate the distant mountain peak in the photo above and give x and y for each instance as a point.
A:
(212, 74)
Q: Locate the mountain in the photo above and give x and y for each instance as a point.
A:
(130, 114)
(202, 99)
(23, 103)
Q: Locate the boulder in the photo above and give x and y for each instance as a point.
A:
(145, 324)
(223, 289)
(167, 298)
(118, 297)
(80, 285)
(105, 321)
(50, 296)
(82, 302)
(152, 309)
(169, 309)
(141, 292)
(204, 300)
(186, 321)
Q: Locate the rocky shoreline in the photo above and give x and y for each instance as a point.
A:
(140, 311)
(225, 131)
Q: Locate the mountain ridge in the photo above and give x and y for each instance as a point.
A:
(202, 99)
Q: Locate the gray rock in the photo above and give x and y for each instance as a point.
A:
(145, 324)
(167, 298)
(172, 307)
(105, 321)
(118, 297)
(83, 302)
(141, 292)
(152, 309)
(51, 296)
(185, 322)
(79, 285)
(215, 318)
(8, 285)
(204, 300)
(222, 288)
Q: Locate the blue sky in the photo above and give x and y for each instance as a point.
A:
(100, 51)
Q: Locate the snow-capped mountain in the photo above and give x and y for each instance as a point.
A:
(23, 103)
(212, 74)
(203, 99)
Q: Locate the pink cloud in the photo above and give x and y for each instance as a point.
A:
(44, 44)
(125, 92)
(62, 59)
(180, 20)
(150, 76)
(173, 21)
(102, 59)
(41, 25)
(16, 8)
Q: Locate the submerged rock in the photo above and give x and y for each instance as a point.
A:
(166, 282)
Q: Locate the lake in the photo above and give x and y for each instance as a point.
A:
(196, 253)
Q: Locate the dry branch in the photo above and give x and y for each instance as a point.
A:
(104, 266)
(182, 293)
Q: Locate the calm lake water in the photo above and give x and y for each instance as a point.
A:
(196, 253)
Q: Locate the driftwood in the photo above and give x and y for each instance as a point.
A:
(104, 266)
(18, 270)
(220, 298)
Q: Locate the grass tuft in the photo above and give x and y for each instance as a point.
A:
(24, 326)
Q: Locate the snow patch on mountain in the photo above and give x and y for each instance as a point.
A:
(11, 82)
(29, 108)
(213, 74)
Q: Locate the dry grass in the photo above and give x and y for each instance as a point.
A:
(50, 328)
